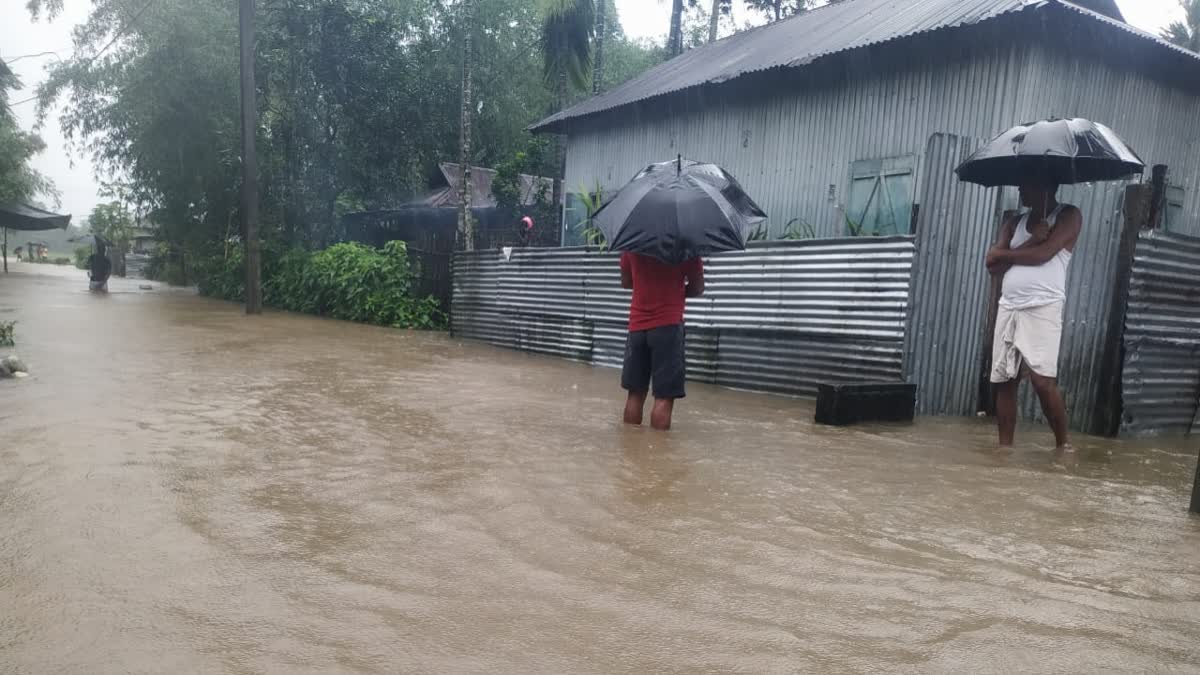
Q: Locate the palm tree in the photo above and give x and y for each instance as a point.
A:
(567, 28)
(1186, 33)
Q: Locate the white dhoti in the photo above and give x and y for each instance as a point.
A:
(1027, 337)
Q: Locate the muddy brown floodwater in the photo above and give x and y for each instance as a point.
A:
(187, 490)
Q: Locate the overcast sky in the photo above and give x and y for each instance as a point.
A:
(651, 18)
(73, 174)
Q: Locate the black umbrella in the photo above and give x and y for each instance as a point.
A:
(675, 211)
(1054, 151)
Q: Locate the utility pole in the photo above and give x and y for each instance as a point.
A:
(249, 161)
(466, 224)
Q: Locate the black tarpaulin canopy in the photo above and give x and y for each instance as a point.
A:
(31, 219)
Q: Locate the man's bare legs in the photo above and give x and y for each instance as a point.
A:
(1006, 411)
(660, 416)
(1054, 408)
(635, 404)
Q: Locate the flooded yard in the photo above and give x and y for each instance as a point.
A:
(185, 489)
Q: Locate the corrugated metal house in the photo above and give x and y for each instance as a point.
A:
(849, 119)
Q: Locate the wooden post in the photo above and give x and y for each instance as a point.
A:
(1106, 419)
(253, 259)
(987, 402)
(1158, 198)
(1195, 508)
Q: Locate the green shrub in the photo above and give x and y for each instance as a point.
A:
(8, 334)
(222, 278)
(348, 281)
(62, 261)
(174, 274)
(82, 253)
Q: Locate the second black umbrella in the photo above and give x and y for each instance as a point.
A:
(1054, 151)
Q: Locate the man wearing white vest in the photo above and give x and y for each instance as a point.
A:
(1032, 256)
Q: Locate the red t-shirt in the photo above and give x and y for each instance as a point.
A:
(658, 289)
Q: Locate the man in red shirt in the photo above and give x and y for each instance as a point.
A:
(655, 348)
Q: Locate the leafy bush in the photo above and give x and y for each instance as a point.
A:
(82, 253)
(8, 334)
(349, 281)
(62, 261)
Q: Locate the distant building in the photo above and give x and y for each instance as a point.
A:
(445, 188)
(145, 234)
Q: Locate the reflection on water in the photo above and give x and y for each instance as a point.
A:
(183, 489)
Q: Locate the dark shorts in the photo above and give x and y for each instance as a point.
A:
(656, 354)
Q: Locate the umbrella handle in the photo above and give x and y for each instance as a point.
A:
(679, 164)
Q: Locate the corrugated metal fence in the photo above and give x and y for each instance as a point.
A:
(956, 225)
(778, 318)
(1160, 385)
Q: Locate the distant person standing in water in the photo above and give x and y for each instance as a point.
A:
(99, 269)
(654, 351)
(1032, 256)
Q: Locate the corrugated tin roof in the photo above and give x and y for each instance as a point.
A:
(805, 38)
(481, 187)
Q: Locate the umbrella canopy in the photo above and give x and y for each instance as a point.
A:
(1054, 151)
(31, 219)
(675, 211)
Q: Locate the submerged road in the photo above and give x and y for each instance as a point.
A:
(187, 490)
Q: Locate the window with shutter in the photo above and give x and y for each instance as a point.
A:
(880, 200)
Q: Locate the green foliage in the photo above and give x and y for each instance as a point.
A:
(592, 201)
(1186, 33)
(566, 41)
(19, 182)
(359, 101)
(854, 229)
(798, 229)
(113, 222)
(8, 334)
(63, 260)
(347, 281)
(775, 10)
(82, 253)
(167, 264)
(507, 188)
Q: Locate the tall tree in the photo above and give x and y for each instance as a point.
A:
(675, 36)
(775, 10)
(153, 91)
(1186, 33)
(567, 61)
(19, 182)
(601, 31)
(466, 227)
(719, 7)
